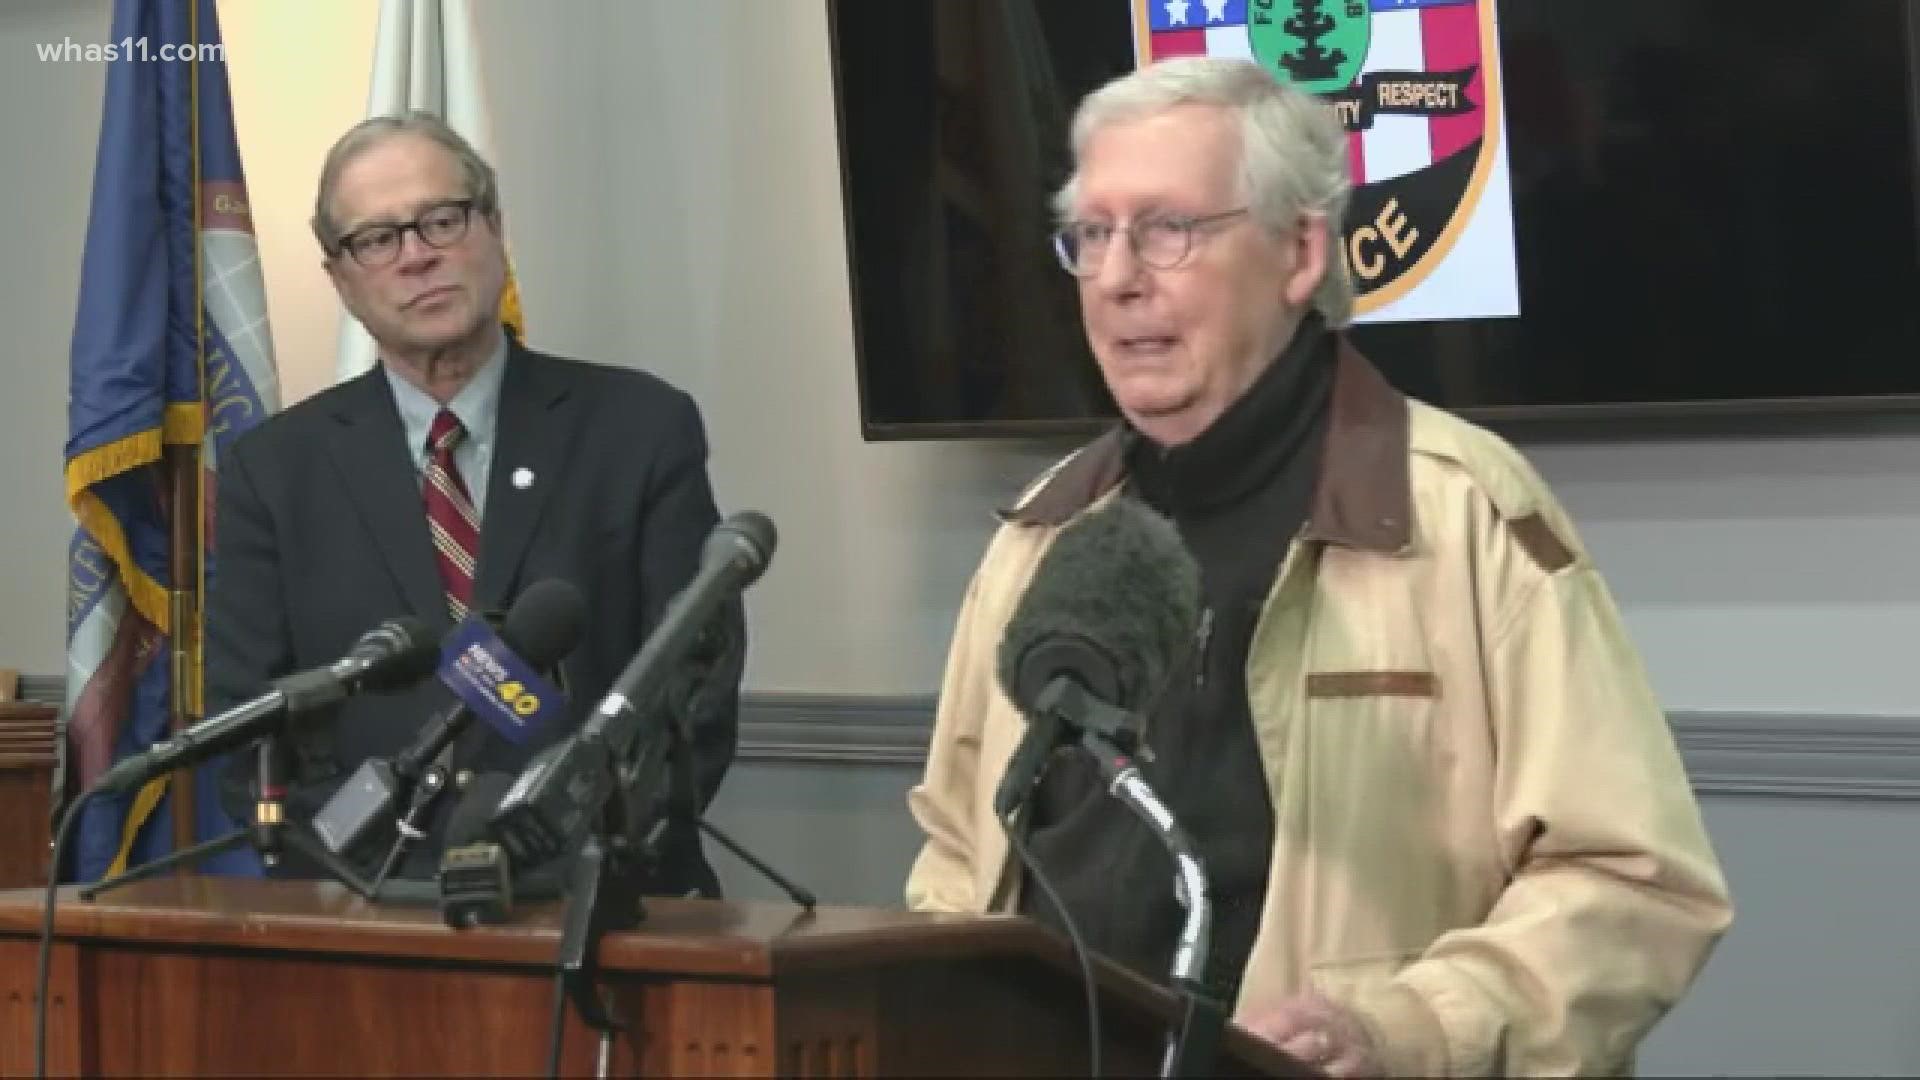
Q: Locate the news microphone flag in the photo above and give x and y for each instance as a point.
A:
(171, 360)
(493, 681)
(426, 57)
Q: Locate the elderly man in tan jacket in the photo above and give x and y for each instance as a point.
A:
(1447, 826)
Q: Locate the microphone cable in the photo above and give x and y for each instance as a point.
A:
(1073, 935)
(44, 977)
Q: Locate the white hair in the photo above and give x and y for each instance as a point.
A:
(482, 185)
(1293, 149)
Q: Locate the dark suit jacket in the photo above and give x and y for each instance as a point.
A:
(321, 534)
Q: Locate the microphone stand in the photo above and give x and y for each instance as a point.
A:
(407, 827)
(604, 893)
(608, 876)
(268, 833)
(1111, 736)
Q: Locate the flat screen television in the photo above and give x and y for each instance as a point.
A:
(1714, 210)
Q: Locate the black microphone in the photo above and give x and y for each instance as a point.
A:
(543, 625)
(476, 878)
(1113, 608)
(552, 797)
(393, 655)
(477, 882)
(735, 555)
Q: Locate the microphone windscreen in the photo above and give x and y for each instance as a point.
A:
(748, 537)
(545, 623)
(404, 651)
(1115, 603)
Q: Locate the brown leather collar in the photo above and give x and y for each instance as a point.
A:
(1363, 498)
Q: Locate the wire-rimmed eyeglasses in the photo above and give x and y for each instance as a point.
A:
(1161, 241)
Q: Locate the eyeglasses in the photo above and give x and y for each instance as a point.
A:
(1162, 242)
(442, 225)
(1158, 241)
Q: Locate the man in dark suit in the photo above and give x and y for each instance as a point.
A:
(458, 471)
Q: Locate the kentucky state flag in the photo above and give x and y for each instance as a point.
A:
(171, 354)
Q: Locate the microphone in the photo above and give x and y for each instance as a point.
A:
(552, 797)
(541, 627)
(477, 883)
(393, 655)
(476, 879)
(1112, 609)
(735, 555)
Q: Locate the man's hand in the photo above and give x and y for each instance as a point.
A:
(1320, 1034)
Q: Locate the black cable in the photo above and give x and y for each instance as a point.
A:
(46, 934)
(1079, 947)
(559, 1023)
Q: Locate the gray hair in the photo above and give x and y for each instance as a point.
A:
(483, 186)
(1293, 149)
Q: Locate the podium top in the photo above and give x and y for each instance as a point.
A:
(681, 937)
(677, 939)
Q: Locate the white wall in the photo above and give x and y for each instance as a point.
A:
(49, 125)
(685, 216)
(1760, 574)
(299, 76)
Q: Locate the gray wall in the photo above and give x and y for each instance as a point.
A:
(673, 202)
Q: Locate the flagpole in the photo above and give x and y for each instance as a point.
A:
(183, 461)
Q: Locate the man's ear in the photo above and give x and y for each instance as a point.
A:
(1310, 247)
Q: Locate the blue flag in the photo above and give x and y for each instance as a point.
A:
(172, 359)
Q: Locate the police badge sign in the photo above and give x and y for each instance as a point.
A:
(1429, 230)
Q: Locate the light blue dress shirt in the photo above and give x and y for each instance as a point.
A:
(478, 407)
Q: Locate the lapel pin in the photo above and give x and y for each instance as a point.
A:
(523, 478)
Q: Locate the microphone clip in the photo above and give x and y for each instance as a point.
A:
(1084, 714)
(406, 828)
(1110, 733)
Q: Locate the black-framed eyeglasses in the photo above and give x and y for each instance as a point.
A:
(1162, 241)
(440, 225)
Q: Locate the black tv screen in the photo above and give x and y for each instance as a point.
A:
(1713, 210)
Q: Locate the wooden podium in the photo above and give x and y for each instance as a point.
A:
(210, 976)
(27, 760)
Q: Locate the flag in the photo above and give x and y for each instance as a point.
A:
(171, 360)
(426, 58)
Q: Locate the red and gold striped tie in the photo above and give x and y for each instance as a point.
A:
(451, 519)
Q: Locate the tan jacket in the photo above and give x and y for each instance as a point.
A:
(1485, 842)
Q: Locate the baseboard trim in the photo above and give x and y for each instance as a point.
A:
(836, 729)
(1829, 755)
(1842, 756)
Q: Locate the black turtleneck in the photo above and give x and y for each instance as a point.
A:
(1238, 493)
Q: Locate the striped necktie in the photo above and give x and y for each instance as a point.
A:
(451, 519)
